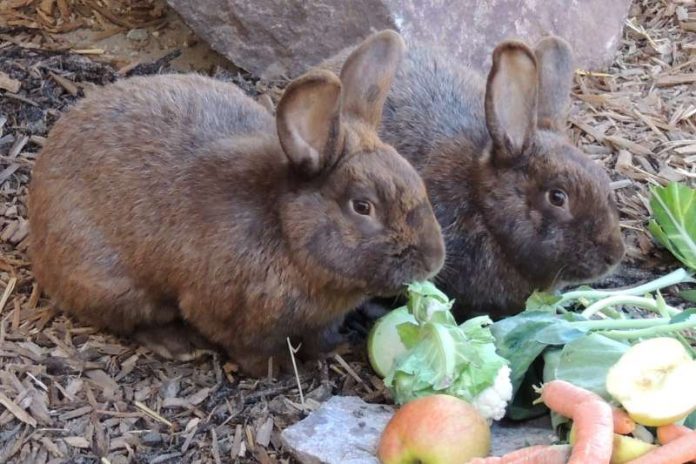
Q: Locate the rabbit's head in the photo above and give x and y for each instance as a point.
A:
(549, 205)
(356, 213)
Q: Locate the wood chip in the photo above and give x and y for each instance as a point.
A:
(77, 442)
(16, 411)
(9, 84)
(67, 84)
(263, 434)
(679, 79)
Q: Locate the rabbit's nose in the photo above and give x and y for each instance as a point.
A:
(433, 252)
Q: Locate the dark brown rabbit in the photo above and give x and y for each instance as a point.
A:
(520, 207)
(159, 201)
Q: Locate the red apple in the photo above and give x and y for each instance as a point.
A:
(436, 429)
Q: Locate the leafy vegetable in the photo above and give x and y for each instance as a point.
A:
(579, 347)
(441, 356)
(585, 361)
(674, 220)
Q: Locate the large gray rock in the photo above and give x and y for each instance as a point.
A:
(346, 430)
(273, 38)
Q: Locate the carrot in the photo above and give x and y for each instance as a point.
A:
(623, 424)
(668, 433)
(563, 397)
(594, 441)
(677, 451)
(591, 415)
(539, 454)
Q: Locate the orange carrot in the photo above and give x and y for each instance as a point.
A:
(592, 417)
(668, 433)
(564, 397)
(594, 433)
(623, 424)
(539, 454)
(677, 451)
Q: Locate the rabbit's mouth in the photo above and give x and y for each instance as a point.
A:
(579, 274)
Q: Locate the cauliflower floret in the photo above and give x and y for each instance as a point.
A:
(492, 401)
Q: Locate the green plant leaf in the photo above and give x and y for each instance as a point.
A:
(516, 340)
(408, 333)
(683, 316)
(560, 333)
(688, 295)
(441, 356)
(542, 301)
(674, 220)
(586, 361)
(690, 420)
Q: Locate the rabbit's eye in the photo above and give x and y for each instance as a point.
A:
(557, 197)
(362, 207)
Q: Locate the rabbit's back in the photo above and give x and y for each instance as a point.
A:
(433, 103)
(148, 167)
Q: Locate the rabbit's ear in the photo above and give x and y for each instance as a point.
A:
(308, 120)
(511, 100)
(555, 59)
(368, 73)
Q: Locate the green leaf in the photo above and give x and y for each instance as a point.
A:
(690, 420)
(541, 301)
(516, 340)
(441, 356)
(683, 316)
(446, 360)
(425, 301)
(674, 220)
(560, 333)
(409, 333)
(585, 362)
(688, 295)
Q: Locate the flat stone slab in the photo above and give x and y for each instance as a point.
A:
(274, 38)
(346, 430)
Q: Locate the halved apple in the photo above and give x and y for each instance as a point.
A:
(625, 448)
(384, 343)
(654, 381)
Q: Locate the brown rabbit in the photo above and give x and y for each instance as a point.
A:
(520, 207)
(176, 198)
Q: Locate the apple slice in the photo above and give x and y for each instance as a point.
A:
(384, 343)
(625, 448)
(654, 381)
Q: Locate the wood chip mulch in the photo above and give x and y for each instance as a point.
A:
(71, 394)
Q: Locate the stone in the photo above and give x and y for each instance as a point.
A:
(280, 38)
(346, 430)
(508, 437)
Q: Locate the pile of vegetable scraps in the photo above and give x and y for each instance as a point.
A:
(615, 367)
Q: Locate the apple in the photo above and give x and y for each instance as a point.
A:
(624, 449)
(384, 342)
(436, 429)
(654, 381)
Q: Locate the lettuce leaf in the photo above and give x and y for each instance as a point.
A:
(674, 220)
(442, 356)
